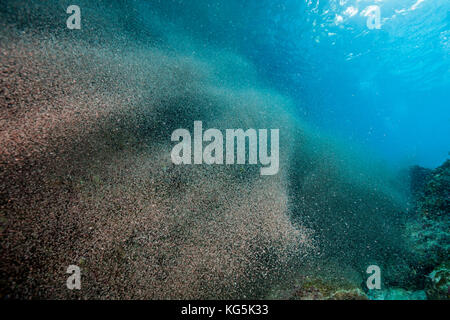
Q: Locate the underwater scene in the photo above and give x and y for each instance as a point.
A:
(225, 149)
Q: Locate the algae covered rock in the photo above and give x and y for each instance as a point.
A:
(430, 231)
(352, 294)
(430, 241)
(419, 177)
(435, 201)
(320, 289)
(438, 284)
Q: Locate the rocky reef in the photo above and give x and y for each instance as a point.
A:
(426, 276)
(434, 201)
(438, 284)
(430, 230)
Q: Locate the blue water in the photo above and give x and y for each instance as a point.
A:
(387, 89)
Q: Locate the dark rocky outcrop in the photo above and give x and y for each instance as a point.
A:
(430, 229)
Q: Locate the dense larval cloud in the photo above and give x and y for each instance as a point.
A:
(86, 176)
